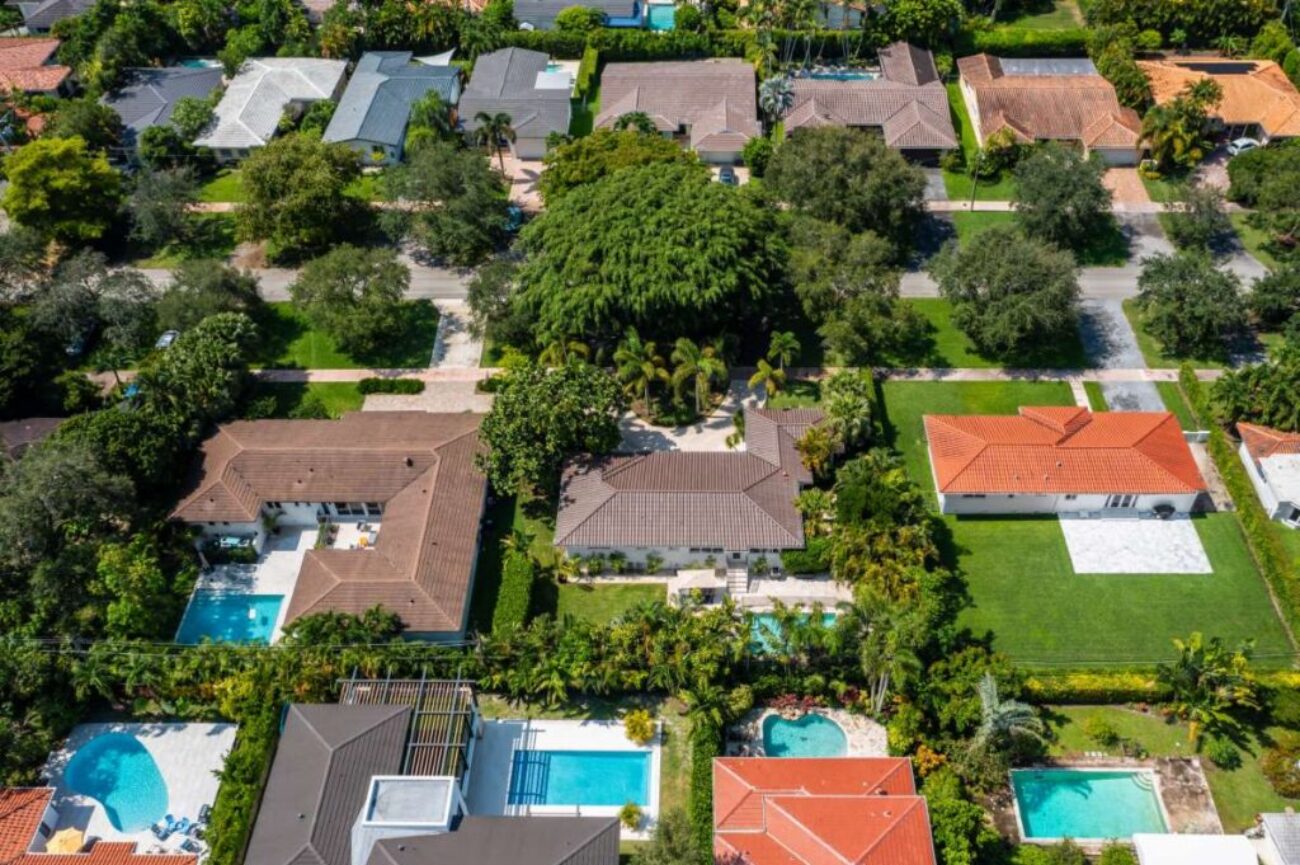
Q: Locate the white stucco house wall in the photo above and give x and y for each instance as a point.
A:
(1272, 460)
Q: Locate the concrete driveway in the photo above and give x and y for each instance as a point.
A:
(1111, 343)
(523, 175)
(1131, 545)
(708, 434)
(934, 188)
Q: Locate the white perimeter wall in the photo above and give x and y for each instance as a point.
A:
(1054, 504)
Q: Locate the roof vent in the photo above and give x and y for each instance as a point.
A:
(409, 462)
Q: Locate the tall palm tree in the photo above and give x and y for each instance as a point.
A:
(816, 449)
(1004, 720)
(639, 365)
(783, 349)
(493, 130)
(769, 378)
(886, 636)
(775, 97)
(700, 366)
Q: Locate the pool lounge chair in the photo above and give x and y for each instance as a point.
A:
(205, 813)
(160, 831)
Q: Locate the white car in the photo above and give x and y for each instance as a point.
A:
(166, 340)
(1242, 145)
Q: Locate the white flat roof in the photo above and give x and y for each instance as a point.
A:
(1194, 850)
(1282, 471)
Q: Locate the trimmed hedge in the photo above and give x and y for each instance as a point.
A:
(390, 385)
(242, 778)
(1015, 42)
(515, 597)
(706, 743)
(621, 45)
(814, 558)
(586, 73)
(1094, 688)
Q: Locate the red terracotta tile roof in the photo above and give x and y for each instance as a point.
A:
(1262, 441)
(837, 811)
(21, 809)
(1061, 450)
(23, 66)
(1254, 91)
(107, 853)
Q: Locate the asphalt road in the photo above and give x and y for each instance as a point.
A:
(433, 283)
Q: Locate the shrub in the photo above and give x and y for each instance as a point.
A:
(630, 815)
(1284, 707)
(1100, 731)
(757, 153)
(515, 599)
(586, 73)
(1093, 688)
(390, 385)
(814, 558)
(1015, 42)
(639, 726)
(1221, 752)
(706, 743)
(1279, 765)
(1115, 853)
(242, 777)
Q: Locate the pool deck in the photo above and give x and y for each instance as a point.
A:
(489, 780)
(865, 738)
(275, 573)
(188, 757)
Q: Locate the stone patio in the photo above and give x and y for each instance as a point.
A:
(1133, 545)
(865, 737)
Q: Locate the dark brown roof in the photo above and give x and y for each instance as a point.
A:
(727, 499)
(716, 98)
(507, 841)
(17, 436)
(905, 63)
(319, 780)
(420, 465)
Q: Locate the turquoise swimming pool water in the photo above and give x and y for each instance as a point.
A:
(580, 778)
(844, 75)
(229, 617)
(810, 736)
(765, 633)
(1075, 803)
(660, 16)
(117, 771)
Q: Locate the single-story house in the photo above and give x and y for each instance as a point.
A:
(1170, 849)
(540, 14)
(1272, 460)
(28, 64)
(16, 436)
(27, 822)
(1258, 99)
(1282, 837)
(265, 88)
(150, 95)
(692, 509)
(41, 16)
(527, 87)
(710, 106)
(412, 472)
(907, 104)
(817, 811)
(1049, 100)
(373, 112)
(1061, 459)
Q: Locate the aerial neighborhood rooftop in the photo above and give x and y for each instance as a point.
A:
(649, 433)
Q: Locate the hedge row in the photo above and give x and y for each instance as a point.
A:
(515, 597)
(1014, 42)
(706, 743)
(390, 385)
(1112, 688)
(242, 779)
(1270, 556)
(814, 558)
(586, 72)
(623, 45)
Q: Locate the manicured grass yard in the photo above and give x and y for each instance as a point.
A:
(970, 225)
(1053, 15)
(1172, 394)
(1024, 590)
(1253, 239)
(1239, 794)
(1106, 248)
(1152, 351)
(959, 185)
(949, 347)
(212, 235)
(1096, 398)
(227, 187)
(604, 603)
(798, 393)
(337, 397)
(508, 515)
(289, 340)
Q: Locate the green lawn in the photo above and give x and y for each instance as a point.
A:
(604, 603)
(583, 116)
(970, 225)
(948, 347)
(1172, 394)
(289, 340)
(798, 393)
(1239, 794)
(959, 185)
(1096, 399)
(1152, 351)
(1025, 593)
(1254, 239)
(212, 235)
(337, 397)
(1162, 189)
(1052, 15)
(1106, 248)
(227, 187)
(535, 518)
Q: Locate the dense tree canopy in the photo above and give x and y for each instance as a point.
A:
(603, 152)
(354, 295)
(59, 188)
(158, 204)
(1190, 305)
(1262, 393)
(661, 248)
(1059, 196)
(97, 125)
(206, 287)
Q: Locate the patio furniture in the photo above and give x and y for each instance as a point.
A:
(189, 845)
(205, 812)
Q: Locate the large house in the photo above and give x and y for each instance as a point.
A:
(381, 779)
(1258, 99)
(150, 96)
(687, 508)
(249, 112)
(1049, 100)
(526, 87)
(28, 64)
(373, 112)
(1061, 459)
(819, 811)
(708, 105)
(411, 473)
(1272, 460)
(907, 104)
(27, 836)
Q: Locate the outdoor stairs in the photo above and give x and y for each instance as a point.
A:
(737, 582)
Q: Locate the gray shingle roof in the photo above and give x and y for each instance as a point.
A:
(256, 98)
(716, 98)
(1284, 830)
(507, 841)
(675, 499)
(318, 782)
(541, 13)
(505, 81)
(150, 95)
(377, 103)
(41, 16)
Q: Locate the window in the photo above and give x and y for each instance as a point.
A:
(973, 496)
(374, 508)
(1070, 497)
(1121, 500)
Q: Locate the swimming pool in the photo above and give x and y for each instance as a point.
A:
(843, 75)
(660, 16)
(229, 617)
(118, 771)
(1086, 804)
(765, 633)
(811, 735)
(580, 778)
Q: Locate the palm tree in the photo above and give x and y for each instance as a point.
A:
(775, 97)
(638, 120)
(769, 378)
(816, 449)
(639, 365)
(700, 366)
(783, 349)
(559, 353)
(1004, 720)
(493, 130)
(1206, 682)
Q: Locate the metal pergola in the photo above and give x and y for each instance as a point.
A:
(442, 721)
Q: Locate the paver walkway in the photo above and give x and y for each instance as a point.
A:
(1125, 186)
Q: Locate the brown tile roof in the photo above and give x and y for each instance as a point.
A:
(21, 810)
(1061, 449)
(1254, 91)
(1263, 442)
(732, 500)
(716, 98)
(16, 436)
(1044, 106)
(904, 63)
(23, 64)
(420, 465)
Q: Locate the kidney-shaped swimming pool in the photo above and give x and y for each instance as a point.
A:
(117, 771)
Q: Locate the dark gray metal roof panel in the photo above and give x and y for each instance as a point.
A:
(506, 841)
(377, 103)
(150, 95)
(1047, 66)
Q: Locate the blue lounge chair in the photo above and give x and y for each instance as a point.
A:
(160, 831)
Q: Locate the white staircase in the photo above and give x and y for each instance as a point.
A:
(737, 582)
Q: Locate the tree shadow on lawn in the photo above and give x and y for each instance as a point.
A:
(281, 326)
(1106, 247)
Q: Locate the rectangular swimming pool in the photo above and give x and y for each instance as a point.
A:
(229, 617)
(580, 778)
(661, 16)
(1086, 804)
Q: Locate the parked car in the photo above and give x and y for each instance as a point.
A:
(1242, 145)
(727, 175)
(166, 340)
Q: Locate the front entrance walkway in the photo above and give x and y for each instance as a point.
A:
(1133, 545)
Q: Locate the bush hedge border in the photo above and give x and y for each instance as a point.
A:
(706, 744)
(515, 597)
(1092, 688)
(376, 384)
(243, 778)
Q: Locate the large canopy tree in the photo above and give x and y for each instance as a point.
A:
(1059, 196)
(61, 189)
(603, 152)
(660, 248)
(1190, 305)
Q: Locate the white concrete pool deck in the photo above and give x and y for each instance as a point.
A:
(275, 573)
(489, 782)
(188, 757)
(1135, 546)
